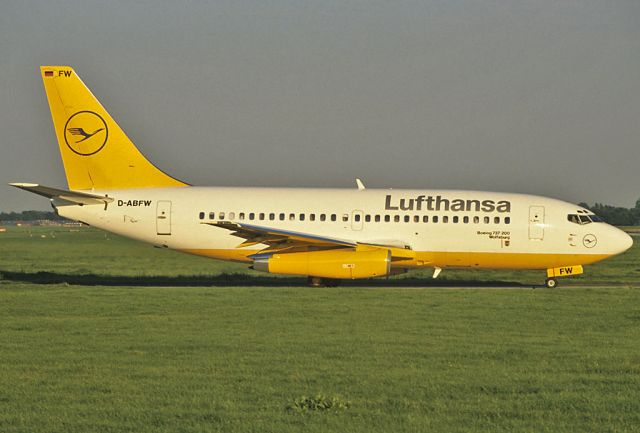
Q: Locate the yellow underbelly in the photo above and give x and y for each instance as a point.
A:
(446, 259)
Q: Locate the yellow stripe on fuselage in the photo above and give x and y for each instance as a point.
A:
(446, 259)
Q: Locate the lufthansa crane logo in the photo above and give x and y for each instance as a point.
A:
(589, 241)
(86, 133)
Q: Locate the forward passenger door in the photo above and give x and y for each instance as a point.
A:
(536, 223)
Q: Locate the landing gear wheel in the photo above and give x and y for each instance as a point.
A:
(322, 282)
(315, 282)
(551, 283)
(331, 282)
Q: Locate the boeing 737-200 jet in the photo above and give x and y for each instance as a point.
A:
(324, 234)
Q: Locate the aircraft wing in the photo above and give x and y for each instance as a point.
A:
(81, 198)
(288, 241)
(277, 239)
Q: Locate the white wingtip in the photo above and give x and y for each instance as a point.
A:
(21, 184)
(360, 184)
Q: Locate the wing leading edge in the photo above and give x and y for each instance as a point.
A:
(285, 241)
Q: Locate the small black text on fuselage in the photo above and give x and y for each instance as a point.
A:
(130, 203)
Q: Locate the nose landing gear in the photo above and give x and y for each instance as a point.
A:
(563, 271)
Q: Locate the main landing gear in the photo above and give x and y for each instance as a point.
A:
(322, 282)
(551, 283)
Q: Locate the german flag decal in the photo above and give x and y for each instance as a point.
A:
(48, 73)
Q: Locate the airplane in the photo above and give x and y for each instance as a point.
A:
(324, 234)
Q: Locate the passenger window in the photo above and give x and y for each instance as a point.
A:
(416, 218)
(507, 220)
(367, 218)
(301, 217)
(435, 219)
(396, 218)
(221, 215)
(466, 220)
(252, 216)
(212, 215)
(292, 217)
(345, 217)
(496, 220)
(425, 219)
(356, 217)
(455, 219)
(407, 218)
(241, 216)
(201, 215)
(486, 220)
(232, 215)
(377, 218)
(323, 217)
(281, 216)
(312, 217)
(387, 218)
(261, 216)
(476, 219)
(333, 217)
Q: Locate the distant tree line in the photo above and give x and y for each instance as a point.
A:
(618, 216)
(29, 215)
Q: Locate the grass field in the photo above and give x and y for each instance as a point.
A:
(101, 334)
(89, 256)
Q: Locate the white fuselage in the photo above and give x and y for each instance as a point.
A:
(445, 228)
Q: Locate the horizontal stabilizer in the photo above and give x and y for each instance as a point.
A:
(81, 198)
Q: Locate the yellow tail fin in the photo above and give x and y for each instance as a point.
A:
(96, 153)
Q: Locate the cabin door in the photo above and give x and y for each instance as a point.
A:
(536, 222)
(357, 217)
(163, 217)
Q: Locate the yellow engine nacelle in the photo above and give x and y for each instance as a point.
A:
(341, 264)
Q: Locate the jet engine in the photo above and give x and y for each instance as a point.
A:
(336, 263)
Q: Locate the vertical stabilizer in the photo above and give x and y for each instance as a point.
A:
(96, 153)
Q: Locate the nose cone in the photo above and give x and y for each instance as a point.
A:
(621, 241)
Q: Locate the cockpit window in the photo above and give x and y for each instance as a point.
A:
(583, 219)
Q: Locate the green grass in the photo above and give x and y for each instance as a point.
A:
(76, 251)
(122, 358)
(90, 256)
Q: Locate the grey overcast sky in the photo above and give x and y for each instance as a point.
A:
(528, 96)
